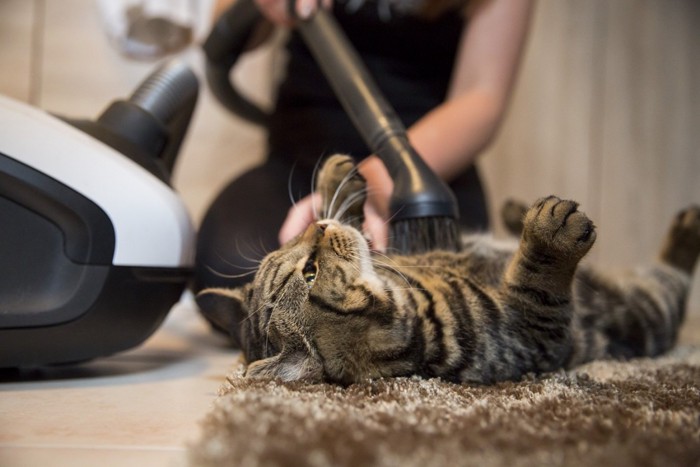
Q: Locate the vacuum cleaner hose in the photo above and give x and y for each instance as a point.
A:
(164, 91)
(227, 41)
(149, 126)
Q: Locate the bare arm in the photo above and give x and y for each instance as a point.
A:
(451, 136)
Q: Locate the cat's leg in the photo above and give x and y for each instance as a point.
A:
(665, 286)
(513, 215)
(343, 190)
(639, 313)
(556, 235)
(537, 286)
(682, 244)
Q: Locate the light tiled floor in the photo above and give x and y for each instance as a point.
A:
(137, 408)
(140, 407)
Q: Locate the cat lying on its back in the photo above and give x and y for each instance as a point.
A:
(324, 308)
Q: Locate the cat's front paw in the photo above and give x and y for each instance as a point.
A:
(342, 188)
(555, 228)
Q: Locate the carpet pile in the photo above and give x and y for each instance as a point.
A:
(636, 413)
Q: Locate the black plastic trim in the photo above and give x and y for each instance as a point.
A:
(88, 231)
(130, 307)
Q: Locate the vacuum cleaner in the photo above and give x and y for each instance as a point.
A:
(95, 245)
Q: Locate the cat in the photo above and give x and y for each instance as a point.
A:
(325, 308)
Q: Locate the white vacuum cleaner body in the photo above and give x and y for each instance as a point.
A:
(95, 246)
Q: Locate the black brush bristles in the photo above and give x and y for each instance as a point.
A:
(424, 234)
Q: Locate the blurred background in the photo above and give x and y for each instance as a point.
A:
(606, 110)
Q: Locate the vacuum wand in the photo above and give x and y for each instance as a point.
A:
(423, 209)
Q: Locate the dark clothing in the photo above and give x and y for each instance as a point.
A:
(411, 60)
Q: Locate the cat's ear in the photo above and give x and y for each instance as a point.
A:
(288, 366)
(225, 308)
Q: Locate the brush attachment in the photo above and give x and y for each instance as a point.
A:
(423, 234)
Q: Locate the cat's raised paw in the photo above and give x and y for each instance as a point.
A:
(687, 223)
(556, 227)
(682, 245)
(513, 214)
(342, 188)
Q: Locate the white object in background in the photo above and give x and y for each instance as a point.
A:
(153, 29)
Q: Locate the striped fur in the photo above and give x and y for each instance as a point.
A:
(323, 308)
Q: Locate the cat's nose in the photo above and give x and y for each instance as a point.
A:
(315, 231)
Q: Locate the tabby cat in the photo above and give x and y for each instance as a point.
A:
(324, 308)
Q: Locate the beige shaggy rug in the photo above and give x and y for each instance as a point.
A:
(636, 413)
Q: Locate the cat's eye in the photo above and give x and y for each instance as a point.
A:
(310, 271)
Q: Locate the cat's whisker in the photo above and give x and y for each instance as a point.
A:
(263, 248)
(254, 312)
(265, 304)
(314, 177)
(349, 202)
(289, 185)
(314, 208)
(419, 266)
(230, 276)
(356, 263)
(249, 269)
(397, 272)
(346, 179)
(250, 249)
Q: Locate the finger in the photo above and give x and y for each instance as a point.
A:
(376, 228)
(299, 217)
(275, 11)
(305, 8)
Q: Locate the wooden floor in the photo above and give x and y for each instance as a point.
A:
(607, 112)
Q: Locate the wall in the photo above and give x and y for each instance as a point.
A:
(607, 112)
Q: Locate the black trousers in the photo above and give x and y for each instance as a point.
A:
(242, 224)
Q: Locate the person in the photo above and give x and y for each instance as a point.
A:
(446, 66)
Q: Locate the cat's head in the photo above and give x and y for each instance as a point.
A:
(305, 315)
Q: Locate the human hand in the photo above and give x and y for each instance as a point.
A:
(299, 217)
(277, 11)
(379, 188)
(304, 211)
